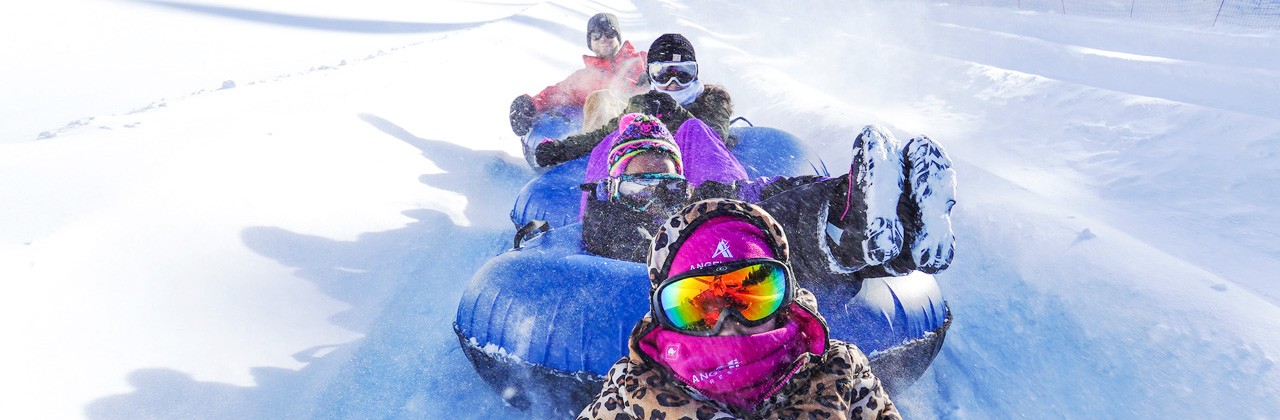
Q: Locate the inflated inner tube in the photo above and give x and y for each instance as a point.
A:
(543, 323)
(899, 322)
(555, 123)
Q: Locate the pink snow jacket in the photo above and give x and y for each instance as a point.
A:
(622, 73)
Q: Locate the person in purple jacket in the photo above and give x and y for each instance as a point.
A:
(889, 215)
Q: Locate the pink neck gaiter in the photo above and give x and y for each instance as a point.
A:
(738, 370)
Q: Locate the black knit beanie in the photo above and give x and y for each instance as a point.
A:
(603, 22)
(671, 48)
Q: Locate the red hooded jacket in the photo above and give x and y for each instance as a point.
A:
(621, 73)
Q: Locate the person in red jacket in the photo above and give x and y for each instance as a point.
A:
(616, 68)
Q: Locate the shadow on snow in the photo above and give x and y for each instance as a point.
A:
(314, 22)
(355, 25)
(403, 286)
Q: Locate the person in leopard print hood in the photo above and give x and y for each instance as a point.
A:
(730, 334)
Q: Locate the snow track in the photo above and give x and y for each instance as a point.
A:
(1072, 139)
(296, 246)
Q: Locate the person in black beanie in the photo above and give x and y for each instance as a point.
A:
(616, 66)
(672, 68)
(677, 94)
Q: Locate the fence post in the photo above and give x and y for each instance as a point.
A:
(1064, 6)
(1215, 17)
(1133, 4)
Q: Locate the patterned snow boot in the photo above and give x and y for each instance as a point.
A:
(863, 228)
(929, 193)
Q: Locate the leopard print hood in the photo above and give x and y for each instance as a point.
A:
(672, 234)
(833, 380)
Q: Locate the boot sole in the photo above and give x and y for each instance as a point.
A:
(877, 174)
(933, 189)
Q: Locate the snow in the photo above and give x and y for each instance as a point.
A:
(296, 245)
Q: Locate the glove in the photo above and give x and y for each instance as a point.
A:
(659, 105)
(522, 112)
(548, 153)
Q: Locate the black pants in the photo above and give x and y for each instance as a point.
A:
(803, 206)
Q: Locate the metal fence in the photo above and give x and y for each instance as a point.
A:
(1261, 14)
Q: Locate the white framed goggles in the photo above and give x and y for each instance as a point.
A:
(683, 72)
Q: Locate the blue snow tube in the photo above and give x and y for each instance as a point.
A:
(554, 195)
(899, 322)
(543, 322)
(555, 123)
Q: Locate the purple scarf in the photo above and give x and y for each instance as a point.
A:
(740, 371)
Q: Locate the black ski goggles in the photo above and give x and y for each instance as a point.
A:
(599, 35)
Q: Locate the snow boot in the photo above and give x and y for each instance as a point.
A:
(929, 193)
(863, 228)
(521, 114)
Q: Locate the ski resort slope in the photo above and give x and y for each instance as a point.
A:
(294, 244)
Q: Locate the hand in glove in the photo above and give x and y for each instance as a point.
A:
(522, 112)
(659, 105)
(548, 152)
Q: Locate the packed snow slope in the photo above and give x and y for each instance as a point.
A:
(294, 245)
